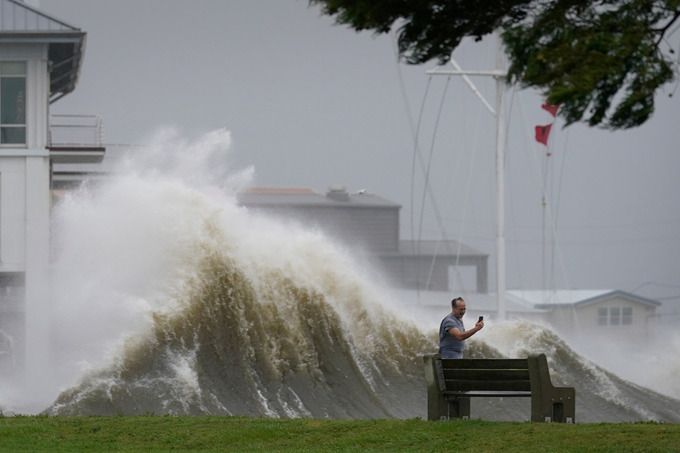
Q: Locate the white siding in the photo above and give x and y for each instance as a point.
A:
(584, 319)
(25, 205)
(12, 214)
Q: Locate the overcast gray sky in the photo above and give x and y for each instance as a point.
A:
(312, 104)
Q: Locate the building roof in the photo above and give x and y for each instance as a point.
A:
(550, 299)
(477, 302)
(436, 248)
(437, 303)
(21, 23)
(337, 196)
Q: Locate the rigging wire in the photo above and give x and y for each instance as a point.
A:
(547, 175)
(466, 196)
(556, 244)
(466, 201)
(416, 153)
(426, 185)
(549, 222)
(428, 169)
(415, 131)
(529, 147)
(547, 168)
(427, 189)
(558, 202)
(491, 54)
(440, 222)
(518, 265)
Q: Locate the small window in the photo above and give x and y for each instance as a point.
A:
(627, 316)
(601, 316)
(12, 102)
(614, 316)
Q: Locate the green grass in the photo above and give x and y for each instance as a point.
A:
(211, 433)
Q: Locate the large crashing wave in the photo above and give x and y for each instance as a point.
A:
(172, 299)
(601, 396)
(272, 347)
(231, 313)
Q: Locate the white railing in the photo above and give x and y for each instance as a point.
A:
(76, 130)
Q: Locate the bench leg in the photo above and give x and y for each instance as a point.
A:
(549, 403)
(458, 408)
(437, 409)
(559, 407)
(568, 400)
(436, 405)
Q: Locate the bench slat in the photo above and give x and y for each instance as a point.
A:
(483, 375)
(521, 364)
(481, 393)
(490, 385)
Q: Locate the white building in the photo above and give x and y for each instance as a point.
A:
(40, 59)
(605, 314)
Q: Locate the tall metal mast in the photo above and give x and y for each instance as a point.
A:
(499, 74)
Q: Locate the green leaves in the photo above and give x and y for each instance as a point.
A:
(426, 29)
(603, 61)
(600, 60)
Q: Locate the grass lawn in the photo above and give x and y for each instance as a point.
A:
(211, 433)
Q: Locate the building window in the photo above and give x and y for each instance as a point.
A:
(615, 316)
(627, 316)
(601, 316)
(12, 102)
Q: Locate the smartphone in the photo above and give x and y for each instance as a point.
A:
(481, 318)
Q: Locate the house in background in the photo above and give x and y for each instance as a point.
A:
(40, 60)
(370, 223)
(608, 314)
(573, 314)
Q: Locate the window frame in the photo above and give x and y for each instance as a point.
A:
(627, 316)
(602, 316)
(615, 316)
(19, 105)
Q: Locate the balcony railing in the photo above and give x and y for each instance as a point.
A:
(76, 139)
(84, 131)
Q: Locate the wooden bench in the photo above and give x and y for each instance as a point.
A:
(452, 382)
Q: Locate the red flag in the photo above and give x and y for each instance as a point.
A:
(552, 109)
(542, 133)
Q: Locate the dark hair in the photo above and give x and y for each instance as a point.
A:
(455, 299)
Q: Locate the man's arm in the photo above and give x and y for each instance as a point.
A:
(460, 336)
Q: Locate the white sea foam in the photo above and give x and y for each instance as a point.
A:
(128, 252)
(296, 411)
(652, 363)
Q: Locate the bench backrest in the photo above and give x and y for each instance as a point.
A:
(451, 383)
(492, 375)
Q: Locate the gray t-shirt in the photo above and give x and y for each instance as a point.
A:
(449, 347)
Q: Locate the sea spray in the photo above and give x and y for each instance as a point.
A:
(625, 400)
(264, 317)
(654, 355)
(256, 353)
(172, 299)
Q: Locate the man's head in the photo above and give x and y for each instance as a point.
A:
(458, 307)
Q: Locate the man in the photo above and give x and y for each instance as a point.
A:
(452, 333)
